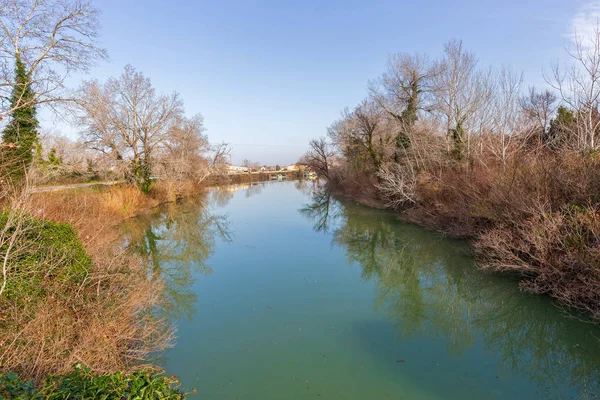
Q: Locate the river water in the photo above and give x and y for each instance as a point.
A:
(280, 291)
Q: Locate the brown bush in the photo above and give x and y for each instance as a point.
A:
(109, 320)
(536, 216)
(108, 323)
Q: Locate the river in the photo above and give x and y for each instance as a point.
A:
(280, 291)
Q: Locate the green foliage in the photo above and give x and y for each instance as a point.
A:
(13, 387)
(91, 171)
(402, 143)
(53, 160)
(82, 383)
(21, 132)
(561, 127)
(142, 174)
(459, 142)
(409, 115)
(44, 252)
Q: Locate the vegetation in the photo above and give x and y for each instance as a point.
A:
(462, 149)
(83, 384)
(20, 135)
(76, 297)
(427, 290)
(68, 292)
(32, 245)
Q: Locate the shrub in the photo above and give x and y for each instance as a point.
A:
(109, 318)
(125, 201)
(83, 384)
(38, 253)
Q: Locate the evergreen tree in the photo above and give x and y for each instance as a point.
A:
(20, 135)
(459, 140)
(561, 129)
(408, 118)
(53, 160)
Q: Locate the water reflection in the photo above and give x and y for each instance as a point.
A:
(428, 287)
(175, 241)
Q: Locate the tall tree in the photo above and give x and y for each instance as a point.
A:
(52, 38)
(366, 129)
(20, 134)
(539, 107)
(578, 86)
(401, 92)
(125, 117)
(461, 91)
(318, 157)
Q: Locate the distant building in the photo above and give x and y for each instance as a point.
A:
(232, 169)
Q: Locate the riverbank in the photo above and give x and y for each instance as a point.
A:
(366, 299)
(113, 298)
(252, 177)
(73, 294)
(535, 217)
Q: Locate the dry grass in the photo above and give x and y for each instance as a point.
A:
(108, 321)
(125, 201)
(93, 212)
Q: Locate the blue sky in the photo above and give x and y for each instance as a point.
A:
(269, 75)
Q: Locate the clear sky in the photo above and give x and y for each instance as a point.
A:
(269, 75)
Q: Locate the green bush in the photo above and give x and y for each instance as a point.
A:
(82, 384)
(44, 252)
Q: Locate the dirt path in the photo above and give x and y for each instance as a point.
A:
(72, 186)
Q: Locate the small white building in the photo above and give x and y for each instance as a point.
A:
(233, 169)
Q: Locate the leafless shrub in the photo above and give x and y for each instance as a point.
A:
(397, 184)
(108, 320)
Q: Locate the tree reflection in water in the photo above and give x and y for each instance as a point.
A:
(429, 287)
(175, 241)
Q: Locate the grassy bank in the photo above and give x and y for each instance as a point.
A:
(72, 295)
(82, 383)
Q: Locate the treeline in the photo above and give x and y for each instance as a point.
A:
(468, 150)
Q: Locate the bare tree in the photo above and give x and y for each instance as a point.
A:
(127, 118)
(366, 131)
(461, 91)
(509, 133)
(250, 164)
(400, 91)
(403, 91)
(52, 38)
(184, 152)
(539, 108)
(579, 87)
(318, 158)
(220, 157)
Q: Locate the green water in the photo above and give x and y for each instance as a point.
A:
(279, 291)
